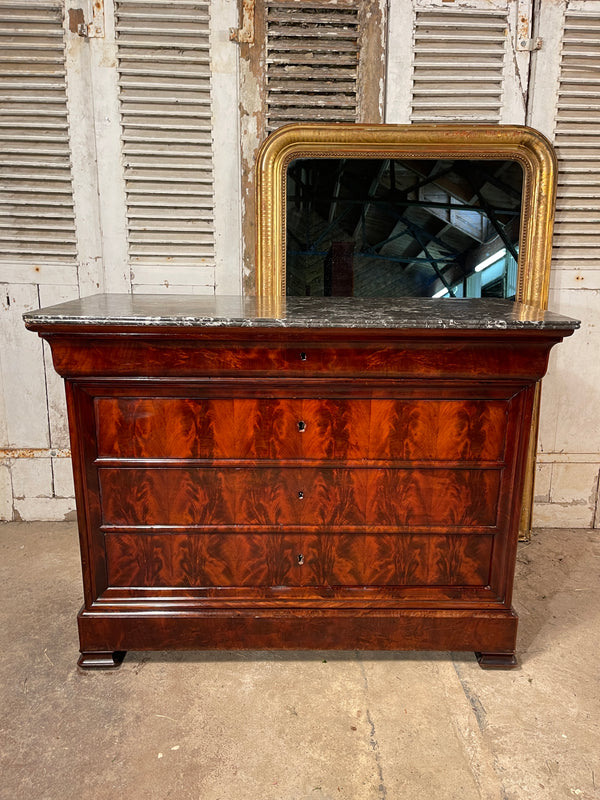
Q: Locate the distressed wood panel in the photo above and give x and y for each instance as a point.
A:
(312, 55)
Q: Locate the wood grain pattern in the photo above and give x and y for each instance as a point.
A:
(288, 428)
(320, 498)
(335, 352)
(301, 629)
(273, 560)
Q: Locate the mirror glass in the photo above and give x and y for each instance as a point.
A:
(403, 227)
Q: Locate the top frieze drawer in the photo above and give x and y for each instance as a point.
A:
(426, 357)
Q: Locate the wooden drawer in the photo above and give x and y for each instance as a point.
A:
(288, 560)
(313, 428)
(323, 498)
(344, 353)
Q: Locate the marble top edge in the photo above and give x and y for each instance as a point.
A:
(128, 310)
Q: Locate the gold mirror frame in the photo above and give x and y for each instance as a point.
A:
(495, 142)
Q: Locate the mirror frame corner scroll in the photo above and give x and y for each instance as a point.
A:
(340, 140)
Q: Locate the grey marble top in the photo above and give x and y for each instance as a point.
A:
(295, 312)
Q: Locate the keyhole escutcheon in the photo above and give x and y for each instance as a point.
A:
(301, 426)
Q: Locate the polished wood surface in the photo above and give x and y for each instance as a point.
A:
(334, 353)
(273, 498)
(332, 561)
(318, 428)
(286, 488)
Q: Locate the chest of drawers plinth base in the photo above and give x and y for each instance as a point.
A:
(105, 637)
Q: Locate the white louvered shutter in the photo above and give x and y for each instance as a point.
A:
(577, 142)
(36, 206)
(165, 101)
(456, 64)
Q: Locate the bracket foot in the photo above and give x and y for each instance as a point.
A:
(497, 660)
(111, 659)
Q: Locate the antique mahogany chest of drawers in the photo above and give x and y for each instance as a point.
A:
(325, 474)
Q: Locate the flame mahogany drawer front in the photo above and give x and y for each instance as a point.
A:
(275, 562)
(310, 428)
(267, 497)
(298, 484)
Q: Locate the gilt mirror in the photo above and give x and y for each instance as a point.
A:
(405, 211)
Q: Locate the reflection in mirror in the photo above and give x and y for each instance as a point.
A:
(403, 227)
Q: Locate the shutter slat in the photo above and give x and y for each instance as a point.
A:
(146, 205)
(154, 172)
(293, 16)
(299, 87)
(137, 134)
(170, 188)
(182, 16)
(328, 101)
(179, 217)
(311, 46)
(177, 58)
(146, 42)
(291, 75)
(36, 204)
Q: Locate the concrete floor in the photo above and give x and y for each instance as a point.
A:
(298, 726)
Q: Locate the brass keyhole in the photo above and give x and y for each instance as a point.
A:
(300, 559)
(302, 426)
(300, 495)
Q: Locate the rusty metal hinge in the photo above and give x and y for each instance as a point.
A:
(245, 34)
(90, 30)
(525, 42)
(529, 44)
